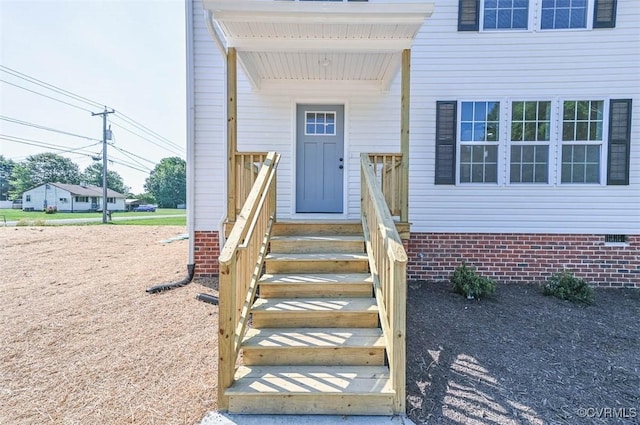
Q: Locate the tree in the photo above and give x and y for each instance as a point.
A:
(40, 169)
(6, 167)
(168, 182)
(93, 175)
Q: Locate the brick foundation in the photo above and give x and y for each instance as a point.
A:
(525, 258)
(206, 253)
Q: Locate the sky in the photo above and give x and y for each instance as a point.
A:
(128, 55)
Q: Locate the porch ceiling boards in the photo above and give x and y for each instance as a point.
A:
(287, 41)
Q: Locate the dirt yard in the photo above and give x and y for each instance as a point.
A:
(83, 343)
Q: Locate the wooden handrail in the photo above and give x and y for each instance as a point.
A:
(388, 263)
(241, 262)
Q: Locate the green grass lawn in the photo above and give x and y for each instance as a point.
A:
(38, 217)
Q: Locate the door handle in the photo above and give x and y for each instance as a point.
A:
(341, 167)
(341, 160)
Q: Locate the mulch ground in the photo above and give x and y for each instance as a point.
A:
(519, 357)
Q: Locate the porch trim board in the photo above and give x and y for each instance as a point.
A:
(307, 41)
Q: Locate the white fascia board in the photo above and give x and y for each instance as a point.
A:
(320, 45)
(213, 31)
(324, 12)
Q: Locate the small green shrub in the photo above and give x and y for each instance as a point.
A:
(468, 282)
(566, 286)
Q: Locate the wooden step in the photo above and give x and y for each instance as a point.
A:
(314, 346)
(315, 313)
(301, 285)
(337, 390)
(314, 244)
(318, 228)
(356, 262)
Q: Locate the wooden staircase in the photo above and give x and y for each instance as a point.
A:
(315, 345)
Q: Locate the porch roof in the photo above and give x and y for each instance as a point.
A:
(357, 42)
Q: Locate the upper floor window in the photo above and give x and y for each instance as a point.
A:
(560, 14)
(474, 15)
(505, 14)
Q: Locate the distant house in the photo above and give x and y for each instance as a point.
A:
(71, 198)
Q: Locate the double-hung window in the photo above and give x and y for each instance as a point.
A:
(529, 141)
(582, 137)
(479, 137)
(515, 141)
(562, 14)
(505, 14)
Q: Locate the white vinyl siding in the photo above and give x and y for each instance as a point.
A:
(210, 126)
(446, 65)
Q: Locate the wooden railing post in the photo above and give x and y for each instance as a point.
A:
(404, 133)
(232, 131)
(226, 330)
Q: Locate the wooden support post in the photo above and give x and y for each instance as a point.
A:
(405, 104)
(232, 131)
(226, 331)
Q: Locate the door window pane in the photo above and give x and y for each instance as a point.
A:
(320, 123)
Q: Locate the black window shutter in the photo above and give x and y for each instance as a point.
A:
(619, 142)
(468, 15)
(604, 14)
(446, 117)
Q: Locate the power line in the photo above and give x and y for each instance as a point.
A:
(162, 142)
(41, 127)
(44, 95)
(49, 86)
(130, 154)
(147, 139)
(41, 144)
(129, 165)
(83, 99)
(147, 130)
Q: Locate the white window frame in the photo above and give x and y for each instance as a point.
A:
(555, 143)
(335, 116)
(499, 143)
(534, 21)
(588, 23)
(602, 143)
(530, 20)
(551, 160)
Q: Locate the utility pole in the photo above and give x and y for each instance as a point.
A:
(104, 159)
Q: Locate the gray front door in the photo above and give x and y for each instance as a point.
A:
(319, 158)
